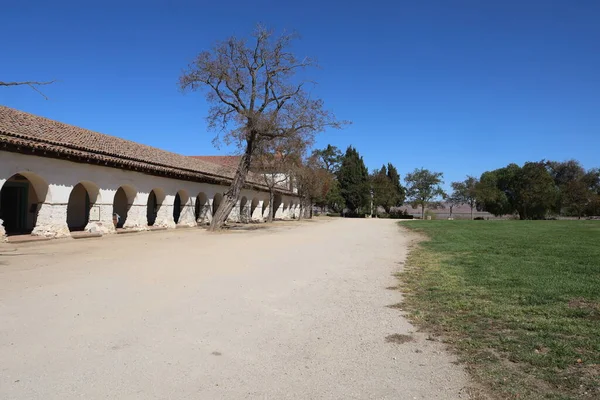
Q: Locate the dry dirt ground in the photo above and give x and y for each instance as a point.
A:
(298, 311)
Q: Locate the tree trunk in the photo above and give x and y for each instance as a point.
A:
(232, 195)
(422, 211)
(271, 200)
(300, 216)
(471, 212)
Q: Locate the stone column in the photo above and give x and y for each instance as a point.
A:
(187, 218)
(51, 221)
(234, 215)
(255, 216)
(204, 216)
(245, 213)
(164, 216)
(265, 215)
(136, 217)
(278, 212)
(293, 211)
(101, 220)
(209, 214)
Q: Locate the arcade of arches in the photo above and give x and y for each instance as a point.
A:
(51, 203)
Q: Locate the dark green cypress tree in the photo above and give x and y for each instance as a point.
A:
(353, 178)
(394, 176)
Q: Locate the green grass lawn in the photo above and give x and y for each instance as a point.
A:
(519, 301)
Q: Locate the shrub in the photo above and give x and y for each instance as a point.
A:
(478, 219)
(429, 213)
(354, 215)
(399, 214)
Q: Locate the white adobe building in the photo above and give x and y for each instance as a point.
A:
(56, 178)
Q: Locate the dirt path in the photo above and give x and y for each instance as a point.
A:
(297, 312)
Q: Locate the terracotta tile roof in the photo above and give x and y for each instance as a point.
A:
(45, 137)
(227, 161)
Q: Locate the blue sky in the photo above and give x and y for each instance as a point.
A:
(454, 86)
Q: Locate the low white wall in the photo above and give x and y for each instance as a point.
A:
(55, 179)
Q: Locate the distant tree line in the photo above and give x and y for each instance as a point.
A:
(341, 183)
(535, 190)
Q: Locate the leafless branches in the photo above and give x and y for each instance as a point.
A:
(256, 97)
(31, 84)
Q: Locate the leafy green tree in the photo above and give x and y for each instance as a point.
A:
(454, 200)
(422, 186)
(536, 193)
(328, 161)
(495, 190)
(387, 191)
(592, 180)
(334, 199)
(383, 190)
(564, 174)
(394, 177)
(465, 192)
(529, 191)
(331, 158)
(577, 188)
(353, 178)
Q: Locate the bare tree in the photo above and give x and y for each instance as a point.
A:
(255, 98)
(275, 160)
(313, 182)
(31, 84)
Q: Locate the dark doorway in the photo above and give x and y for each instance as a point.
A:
(276, 204)
(151, 208)
(78, 208)
(177, 208)
(19, 203)
(121, 207)
(13, 207)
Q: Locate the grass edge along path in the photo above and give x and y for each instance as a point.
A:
(518, 301)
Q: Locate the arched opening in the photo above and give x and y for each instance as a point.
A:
(177, 208)
(253, 206)
(201, 207)
(276, 204)
(244, 209)
(265, 205)
(155, 200)
(83, 196)
(121, 205)
(181, 199)
(216, 202)
(20, 198)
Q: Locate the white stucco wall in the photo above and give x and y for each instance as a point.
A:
(54, 179)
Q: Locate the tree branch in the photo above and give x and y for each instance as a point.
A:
(31, 84)
(217, 91)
